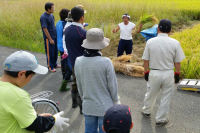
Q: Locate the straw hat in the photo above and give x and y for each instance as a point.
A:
(95, 39)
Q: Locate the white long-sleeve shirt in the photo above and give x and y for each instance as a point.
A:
(64, 43)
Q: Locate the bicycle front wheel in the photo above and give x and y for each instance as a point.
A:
(46, 106)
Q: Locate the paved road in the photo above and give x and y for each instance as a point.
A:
(185, 107)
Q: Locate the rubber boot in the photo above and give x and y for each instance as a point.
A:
(74, 93)
(64, 86)
(79, 103)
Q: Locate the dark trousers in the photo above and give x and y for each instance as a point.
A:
(51, 54)
(76, 99)
(125, 45)
(65, 67)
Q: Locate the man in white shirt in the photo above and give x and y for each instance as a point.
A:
(161, 55)
(126, 28)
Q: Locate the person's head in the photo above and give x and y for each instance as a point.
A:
(63, 14)
(20, 67)
(49, 7)
(164, 26)
(77, 14)
(95, 39)
(126, 18)
(82, 7)
(118, 119)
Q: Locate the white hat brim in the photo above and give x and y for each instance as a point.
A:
(41, 70)
(96, 45)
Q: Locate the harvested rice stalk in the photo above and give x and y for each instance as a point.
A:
(123, 58)
(128, 69)
(133, 68)
(147, 21)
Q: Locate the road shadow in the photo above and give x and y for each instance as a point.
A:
(160, 129)
(193, 93)
(146, 125)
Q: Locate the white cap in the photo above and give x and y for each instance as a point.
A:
(23, 61)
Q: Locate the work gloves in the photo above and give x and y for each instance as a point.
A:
(177, 77)
(146, 75)
(61, 121)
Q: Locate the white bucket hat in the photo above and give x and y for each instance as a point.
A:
(95, 39)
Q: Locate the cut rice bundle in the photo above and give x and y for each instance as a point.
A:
(148, 21)
(134, 69)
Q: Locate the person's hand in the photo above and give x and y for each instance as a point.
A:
(52, 42)
(118, 102)
(64, 56)
(114, 30)
(45, 114)
(61, 121)
(177, 77)
(85, 24)
(146, 75)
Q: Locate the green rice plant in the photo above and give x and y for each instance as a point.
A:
(148, 18)
(147, 21)
(20, 26)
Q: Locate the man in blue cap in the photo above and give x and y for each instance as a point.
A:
(118, 119)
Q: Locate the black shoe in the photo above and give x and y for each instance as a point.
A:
(74, 105)
(81, 112)
(146, 115)
(161, 124)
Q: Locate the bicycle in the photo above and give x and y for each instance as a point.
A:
(42, 104)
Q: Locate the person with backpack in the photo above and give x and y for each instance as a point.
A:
(65, 65)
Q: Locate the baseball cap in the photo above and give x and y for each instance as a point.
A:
(118, 118)
(23, 61)
(165, 25)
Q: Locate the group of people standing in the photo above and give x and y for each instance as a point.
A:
(94, 87)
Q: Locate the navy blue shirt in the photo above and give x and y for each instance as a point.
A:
(74, 36)
(48, 21)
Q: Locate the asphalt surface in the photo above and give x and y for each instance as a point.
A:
(185, 106)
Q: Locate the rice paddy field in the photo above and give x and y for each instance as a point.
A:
(20, 26)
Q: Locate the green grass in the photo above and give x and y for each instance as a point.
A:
(20, 26)
(190, 41)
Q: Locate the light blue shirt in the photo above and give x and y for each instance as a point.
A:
(59, 30)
